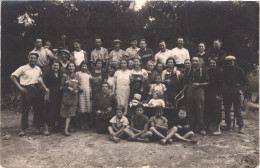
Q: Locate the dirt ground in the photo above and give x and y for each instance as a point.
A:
(89, 149)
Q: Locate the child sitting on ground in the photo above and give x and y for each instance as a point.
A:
(159, 127)
(184, 132)
(139, 126)
(156, 100)
(118, 124)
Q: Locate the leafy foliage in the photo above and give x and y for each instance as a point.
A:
(235, 23)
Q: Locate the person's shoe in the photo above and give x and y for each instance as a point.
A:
(21, 133)
(203, 132)
(227, 128)
(216, 133)
(146, 140)
(66, 134)
(241, 130)
(162, 142)
(192, 141)
(46, 133)
(37, 132)
(170, 141)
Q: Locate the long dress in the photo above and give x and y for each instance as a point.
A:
(122, 87)
(97, 80)
(68, 81)
(85, 103)
(53, 108)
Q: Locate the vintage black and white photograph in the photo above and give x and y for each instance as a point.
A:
(129, 84)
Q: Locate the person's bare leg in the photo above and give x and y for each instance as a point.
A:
(170, 133)
(66, 132)
(176, 135)
(218, 131)
(145, 136)
(46, 129)
(129, 133)
(157, 133)
(188, 135)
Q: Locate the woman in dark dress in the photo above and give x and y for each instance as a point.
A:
(170, 76)
(98, 77)
(212, 97)
(52, 81)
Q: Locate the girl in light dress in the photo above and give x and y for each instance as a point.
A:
(122, 84)
(85, 94)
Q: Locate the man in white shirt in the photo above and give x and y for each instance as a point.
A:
(45, 56)
(30, 76)
(163, 54)
(180, 54)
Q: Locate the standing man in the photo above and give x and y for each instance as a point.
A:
(202, 55)
(45, 56)
(195, 79)
(180, 54)
(132, 51)
(99, 53)
(217, 53)
(117, 54)
(29, 75)
(163, 54)
(145, 53)
(78, 55)
(235, 80)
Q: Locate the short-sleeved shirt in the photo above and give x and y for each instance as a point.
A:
(139, 121)
(161, 121)
(28, 75)
(119, 122)
(143, 54)
(180, 55)
(157, 88)
(45, 55)
(162, 57)
(198, 75)
(116, 55)
(131, 52)
(99, 54)
(156, 102)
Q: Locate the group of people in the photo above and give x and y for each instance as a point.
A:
(63, 84)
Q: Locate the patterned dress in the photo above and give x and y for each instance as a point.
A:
(68, 81)
(85, 103)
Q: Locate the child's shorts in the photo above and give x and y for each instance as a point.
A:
(183, 131)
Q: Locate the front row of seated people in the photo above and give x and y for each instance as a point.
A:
(143, 129)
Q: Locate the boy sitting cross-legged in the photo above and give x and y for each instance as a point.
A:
(184, 132)
(139, 126)
(159, 127)
(118, 124)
